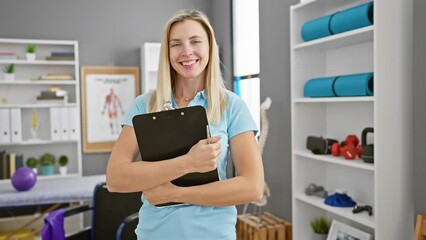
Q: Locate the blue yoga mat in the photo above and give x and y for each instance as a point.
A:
(352, 18)
(319, 87)
(317, 28)
(354, 85)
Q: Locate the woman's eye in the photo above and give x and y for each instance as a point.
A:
(175, 45)
(196, 42)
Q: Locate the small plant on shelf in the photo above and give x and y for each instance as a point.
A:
(32, 163)
(9, 72)
(31, 52)
(320, 226)
(31, 48)
(47, 162)
(63, 162)
(9, 68)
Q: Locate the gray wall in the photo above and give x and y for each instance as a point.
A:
(419, 75)
(275, 83)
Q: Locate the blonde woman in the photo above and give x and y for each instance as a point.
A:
(188, 75)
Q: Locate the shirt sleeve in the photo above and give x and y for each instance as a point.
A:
(240, 119)
(139, 106)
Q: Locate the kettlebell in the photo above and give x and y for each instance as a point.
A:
(367, 149)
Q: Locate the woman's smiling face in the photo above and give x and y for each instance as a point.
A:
(188, 49)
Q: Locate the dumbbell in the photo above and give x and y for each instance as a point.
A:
(349, 148)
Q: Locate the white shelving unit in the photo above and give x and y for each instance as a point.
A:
(150, 55)
(386, 50)
(59, 134)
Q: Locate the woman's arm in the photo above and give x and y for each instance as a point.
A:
(247, 186)
(125, 175)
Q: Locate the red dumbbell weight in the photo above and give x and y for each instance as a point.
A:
(349, 152)
(335, 149)
(351, 139)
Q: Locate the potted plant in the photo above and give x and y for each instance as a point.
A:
(47, 162)
(32, 163)
(9, 72)
(31, 52)
(63, 162)
(320, 226)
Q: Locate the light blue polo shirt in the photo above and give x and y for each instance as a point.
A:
(194, 222)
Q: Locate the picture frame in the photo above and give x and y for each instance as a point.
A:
(341, 231)
(106, 94)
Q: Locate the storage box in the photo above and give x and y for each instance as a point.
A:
(263, 227)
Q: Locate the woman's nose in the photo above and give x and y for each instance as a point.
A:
(187, 49)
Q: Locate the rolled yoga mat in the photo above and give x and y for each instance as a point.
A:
(319, 87)
(354, 85)
(317, 28)
(352, 18)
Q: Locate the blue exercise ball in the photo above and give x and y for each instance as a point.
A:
(24, 179)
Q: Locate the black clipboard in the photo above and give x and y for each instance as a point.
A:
(169, 134)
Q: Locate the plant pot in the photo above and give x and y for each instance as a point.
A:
(30, 56)
(63, 170)
(318, 236)
(9, 76)
(47, 170)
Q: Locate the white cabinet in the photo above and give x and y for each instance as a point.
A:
(386, 50)
(59, 120)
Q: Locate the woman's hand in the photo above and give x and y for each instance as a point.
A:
(161, 194)
(203, 156)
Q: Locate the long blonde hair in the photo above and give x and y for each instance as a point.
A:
(166, 78)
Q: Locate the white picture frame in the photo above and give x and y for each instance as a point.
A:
(341, 231)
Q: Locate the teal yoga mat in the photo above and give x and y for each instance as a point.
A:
(316, 28)
(352, 18)
(354, 85)
(319, 87)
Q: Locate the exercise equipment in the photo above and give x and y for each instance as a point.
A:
(367, 149)
(319, 145)
(316, 190)
(319, 87)
(24, 179)
(360, 84)
(316, 28)
(349, 149)
(349, 19)
(368, 208)
(339, 200)
(352, 18)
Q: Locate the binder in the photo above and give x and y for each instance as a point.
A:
(73, 123)
(16, 125)
(55, 124)
(169, 134)
(5, 126)
(64, 124)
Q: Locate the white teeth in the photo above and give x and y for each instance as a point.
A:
(188, 63)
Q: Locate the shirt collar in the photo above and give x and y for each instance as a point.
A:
(199, 99)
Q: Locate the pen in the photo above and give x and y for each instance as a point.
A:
(208, 134)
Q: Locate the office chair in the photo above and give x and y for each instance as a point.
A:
(420, 231)
(114, 215)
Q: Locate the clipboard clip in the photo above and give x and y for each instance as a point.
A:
(167, 106)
